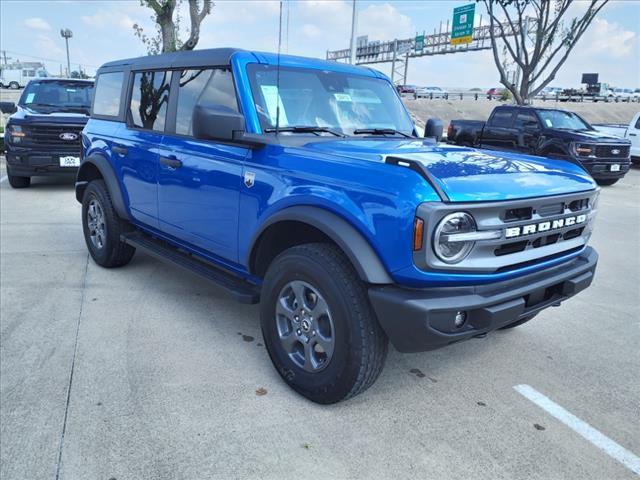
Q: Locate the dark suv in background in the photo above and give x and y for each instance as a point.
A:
(43, 134)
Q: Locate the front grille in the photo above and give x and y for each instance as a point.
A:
(529, 230)
(49, 135)
(612, 151)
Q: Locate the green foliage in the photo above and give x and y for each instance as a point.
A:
(506, 95)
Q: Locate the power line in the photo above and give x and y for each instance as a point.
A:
(49, 59)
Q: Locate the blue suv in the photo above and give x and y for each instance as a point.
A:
(304, 184)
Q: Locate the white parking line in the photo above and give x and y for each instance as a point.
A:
(3, 179)
(611, 448)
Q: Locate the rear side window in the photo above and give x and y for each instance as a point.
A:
(107, 94)
(502, 119)
(638, 123)
(149, 100)
(208, 86)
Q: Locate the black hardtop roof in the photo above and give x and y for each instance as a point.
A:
(533, 107)
(61, 79)
(185, 58)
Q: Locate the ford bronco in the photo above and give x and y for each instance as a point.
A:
(304, 185)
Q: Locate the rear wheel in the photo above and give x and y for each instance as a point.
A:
(14, 85)
(102, 227)
(606, 181)
(318, 326)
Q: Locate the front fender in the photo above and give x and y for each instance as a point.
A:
(87, 172)
(361, 254)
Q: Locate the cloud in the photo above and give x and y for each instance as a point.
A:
(104, 18)
(384, 22)
(36, 23)
(310, 30)
(46, 46)
(608, 38)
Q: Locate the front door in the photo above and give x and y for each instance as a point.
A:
(139, 143)
(199, 181)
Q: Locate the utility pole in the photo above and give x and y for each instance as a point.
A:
(67, 34)
(354, 22)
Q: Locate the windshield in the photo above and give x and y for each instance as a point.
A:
(562, 120)
(58, 95)
(341, 102)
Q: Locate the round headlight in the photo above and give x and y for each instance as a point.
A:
(447, 247)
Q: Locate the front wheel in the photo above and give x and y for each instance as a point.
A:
(318, 326)
(14, 85)
(606, 181)
(18, 182)
(102, 227)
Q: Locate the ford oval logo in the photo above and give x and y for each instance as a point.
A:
(69, 136)
(615, 151)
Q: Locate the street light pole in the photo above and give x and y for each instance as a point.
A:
(354, 21)
(67, 34)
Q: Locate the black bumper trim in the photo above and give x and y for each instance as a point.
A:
(420, 320)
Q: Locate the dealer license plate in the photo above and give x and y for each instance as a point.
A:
(615, 167)
(70, 161)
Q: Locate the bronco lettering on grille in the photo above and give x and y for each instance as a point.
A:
(513, 232)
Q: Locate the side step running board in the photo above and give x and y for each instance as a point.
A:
(238, 288)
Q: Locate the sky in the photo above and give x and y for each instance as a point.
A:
(103, 31)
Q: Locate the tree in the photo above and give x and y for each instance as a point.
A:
(167, 18)
(538, 57)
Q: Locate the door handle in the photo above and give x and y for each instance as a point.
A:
(633, 134)
(119, 150)
(170, 162)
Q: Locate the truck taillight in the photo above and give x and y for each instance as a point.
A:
(450, 131)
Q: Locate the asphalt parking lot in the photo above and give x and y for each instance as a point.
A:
(146, 372)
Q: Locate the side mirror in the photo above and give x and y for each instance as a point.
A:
(215, 122)
(434, 129)
(8, 107)
(531, 126)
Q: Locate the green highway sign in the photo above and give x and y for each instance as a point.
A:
(419, 43)
(462, 27)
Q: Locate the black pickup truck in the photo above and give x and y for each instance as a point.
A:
(549, 133)
(43, 134)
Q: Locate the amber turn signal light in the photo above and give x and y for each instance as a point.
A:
(418, 234)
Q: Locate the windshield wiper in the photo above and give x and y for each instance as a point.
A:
(305, 129)
(380, 131)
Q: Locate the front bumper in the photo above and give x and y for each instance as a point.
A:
(34, 161)
(417, 320)
(602, 169)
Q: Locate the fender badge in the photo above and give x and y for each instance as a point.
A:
(249, 179)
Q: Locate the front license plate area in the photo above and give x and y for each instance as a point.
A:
(70, 161)
(615, 167)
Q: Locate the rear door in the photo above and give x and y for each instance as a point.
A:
(199, 181)
(498, 133)
(139, 142)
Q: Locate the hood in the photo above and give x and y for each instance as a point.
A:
(25, 115)
(469, 175)
(591, 136)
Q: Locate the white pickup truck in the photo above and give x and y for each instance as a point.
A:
(631, 132)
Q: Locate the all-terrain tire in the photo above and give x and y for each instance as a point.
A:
(107, 249)
(18, 182)
(359, 344)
